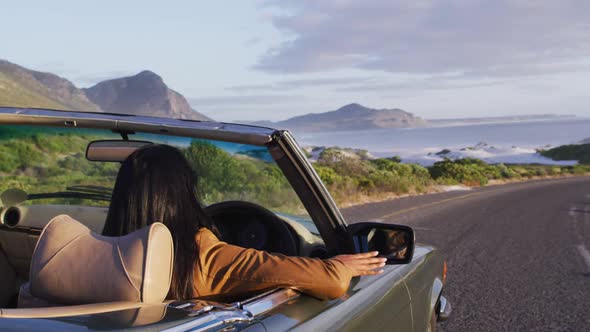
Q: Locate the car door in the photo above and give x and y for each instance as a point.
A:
(373, 303)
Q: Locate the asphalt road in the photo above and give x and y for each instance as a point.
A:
(518, 255)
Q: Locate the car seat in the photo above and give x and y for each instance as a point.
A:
(75, 267)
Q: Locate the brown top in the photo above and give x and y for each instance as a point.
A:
(230, 270)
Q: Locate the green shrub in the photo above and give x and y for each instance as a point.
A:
(466, 171)
(328, 175)
(579, 152)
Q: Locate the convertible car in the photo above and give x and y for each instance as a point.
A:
(256, 183)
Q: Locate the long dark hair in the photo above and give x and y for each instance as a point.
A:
(157, 184)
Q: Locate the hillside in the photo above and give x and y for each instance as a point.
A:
(351, 117)
(579, 152)
(142, 94)
(21, 87)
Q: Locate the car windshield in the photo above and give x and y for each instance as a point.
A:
(50, 165)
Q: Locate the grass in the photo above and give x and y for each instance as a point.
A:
(14, 94)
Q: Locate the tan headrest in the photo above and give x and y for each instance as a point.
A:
(72, 265)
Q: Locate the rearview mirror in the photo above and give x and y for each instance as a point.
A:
(13, 196)
(112, 150)
(394, 242)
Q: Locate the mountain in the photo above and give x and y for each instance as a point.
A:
(22, 87)
(142, 94)
(350, 117)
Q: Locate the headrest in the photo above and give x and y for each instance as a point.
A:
(72, 265)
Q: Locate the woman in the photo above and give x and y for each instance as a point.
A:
(156, 183)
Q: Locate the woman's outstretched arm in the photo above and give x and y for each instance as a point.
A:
(231, 270)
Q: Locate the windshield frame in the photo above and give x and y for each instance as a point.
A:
(281, 145)
(229, 132)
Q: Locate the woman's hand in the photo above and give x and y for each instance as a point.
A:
(363, 264)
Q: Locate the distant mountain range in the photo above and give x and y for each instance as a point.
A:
(142, 94)
(147, 94)
(350, 117)
(358, 117)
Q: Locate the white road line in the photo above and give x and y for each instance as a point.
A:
(572, 212)
(585, 254)
(422, 228)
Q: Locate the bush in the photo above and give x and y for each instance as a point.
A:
(328, 175)
(222, 177)
(579, 152)
(350, 177)
(466, 171)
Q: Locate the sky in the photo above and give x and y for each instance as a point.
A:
(274, 59)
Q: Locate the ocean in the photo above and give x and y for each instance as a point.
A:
(505, 142)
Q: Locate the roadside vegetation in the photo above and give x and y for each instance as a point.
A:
(50, 162)
(223, 176)
(47, 163)
(353, 178)
(579, 152)
(475, 172)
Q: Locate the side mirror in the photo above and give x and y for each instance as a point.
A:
(394, 242)
(112, 150)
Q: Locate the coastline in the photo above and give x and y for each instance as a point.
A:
(515, 142)
(434, 189)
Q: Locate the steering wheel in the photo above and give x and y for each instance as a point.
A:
(250, 225)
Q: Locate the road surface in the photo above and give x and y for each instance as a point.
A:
(518, 255)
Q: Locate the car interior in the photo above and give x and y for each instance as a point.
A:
(80, 271)
(53, 258)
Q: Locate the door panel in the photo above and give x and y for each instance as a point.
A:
(420, 282)
(373, 303)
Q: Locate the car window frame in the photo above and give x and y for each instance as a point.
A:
(281, 145)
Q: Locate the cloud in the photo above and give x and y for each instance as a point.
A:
(253, 41)
(80, 78)
(423, 84)
(482, 38)
(301, 83)
(220, 101)
(237, 108)
(84, 79)
(90, 79)
(526, 74)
